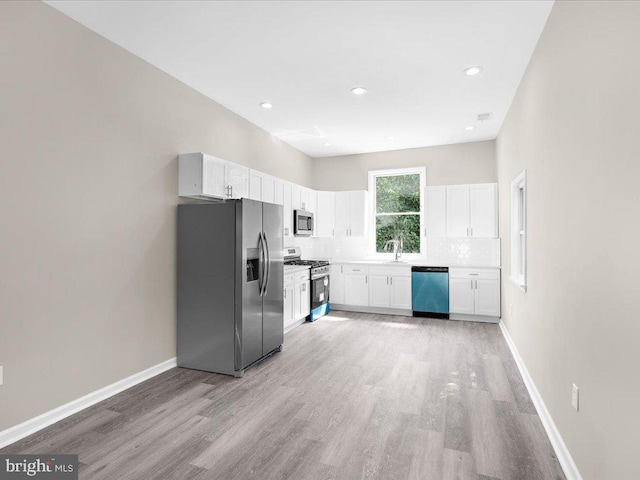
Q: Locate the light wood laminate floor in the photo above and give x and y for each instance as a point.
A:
(353, 396)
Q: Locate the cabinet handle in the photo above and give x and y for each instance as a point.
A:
(471, 231)
(387, 280)
(474, 274)
(366, 279)
(341, 269)
(391, 279)
(332, 232)
(471, 284)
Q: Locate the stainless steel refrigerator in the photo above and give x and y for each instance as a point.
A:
(230, 283)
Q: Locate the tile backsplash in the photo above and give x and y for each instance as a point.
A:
(440, 251)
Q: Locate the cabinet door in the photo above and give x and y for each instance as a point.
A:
(269, 189)
(237, 177)
(341, 216)
(357, 208)
(310, 200)
(213, 181)
(289, 304)
(435, 199)
(379, 291)
(458, 211)
(325, 205)
(305, 299)
(287, 210)
(461, 296)
(297, 301)
(255, 186)
(279, 192)
(356, 290)
(483, 210)
(336, 287)
(296, 197)
(487, 297)
(400, 288)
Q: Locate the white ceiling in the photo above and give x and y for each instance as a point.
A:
(304, 57)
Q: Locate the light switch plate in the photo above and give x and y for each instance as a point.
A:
(575, 397)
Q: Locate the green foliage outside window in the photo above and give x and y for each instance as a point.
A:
(397, 194)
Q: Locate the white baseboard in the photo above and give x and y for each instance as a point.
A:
(562, 452)
(31, 426)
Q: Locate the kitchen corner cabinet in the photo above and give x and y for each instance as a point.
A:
(471, 211)
(350, 213)
(474, 291)
(204, 176)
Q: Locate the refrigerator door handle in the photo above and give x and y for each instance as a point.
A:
(267, 263)
(261, 265)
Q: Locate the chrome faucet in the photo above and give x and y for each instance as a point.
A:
(397, 247)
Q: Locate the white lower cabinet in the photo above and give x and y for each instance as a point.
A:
(379, 291)
(401, 292)
(356, 285)
(289, 301)
(336, 286)
(297, 297)
(474, 291)
(390, 287)
(374, 286)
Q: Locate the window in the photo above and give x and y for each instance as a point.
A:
(397, 208)
(519, 230)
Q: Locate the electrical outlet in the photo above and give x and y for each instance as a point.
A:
(575, 397)
(1, 375)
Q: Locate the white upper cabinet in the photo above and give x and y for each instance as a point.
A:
(325, 214)
(483, 210)
(458, 211)
(287, 208)
(472, 210)
(262, 187)
(279, 192)
(350, 213)
(255, 185)
(205, 176)
(435, 199)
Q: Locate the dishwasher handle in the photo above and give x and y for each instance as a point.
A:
(430, 269)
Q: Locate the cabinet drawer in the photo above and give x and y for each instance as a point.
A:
(391, 271)
(357, 269)
(475, 273)
(302, 276)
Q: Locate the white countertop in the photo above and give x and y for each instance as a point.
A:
(408, 263)
(289, 269)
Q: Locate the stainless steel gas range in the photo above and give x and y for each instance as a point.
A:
(319, 281)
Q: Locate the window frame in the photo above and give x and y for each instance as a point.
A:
(518, 267)
(373, 174)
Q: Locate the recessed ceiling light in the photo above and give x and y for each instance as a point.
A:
(469, 128)
(472, 71)
(390, 137)
(358, 90)
(266, 105)
(327, 144)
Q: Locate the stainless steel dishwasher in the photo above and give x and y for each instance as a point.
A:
(430, 292)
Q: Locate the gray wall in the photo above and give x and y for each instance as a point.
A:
(473, 162)
(573, 126)
(89, 135)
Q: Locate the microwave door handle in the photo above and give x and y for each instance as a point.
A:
(268, 263)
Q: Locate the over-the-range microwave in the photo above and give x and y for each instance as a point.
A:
(302, 223)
